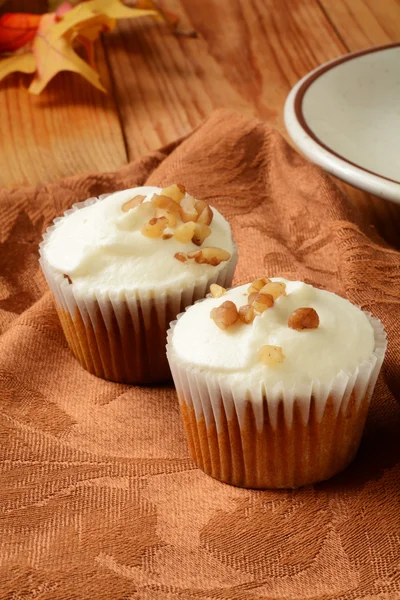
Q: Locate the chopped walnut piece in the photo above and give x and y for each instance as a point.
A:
(257, 285)
(246, 313)
(176, 191)
(204, 211)
(225, 315)
(261, 302)
(271, 355)
(275, 288)
(209, 255)
(185, 232)
(132, 203)
(187, 209)
(155, 227)
(252, 297)
(217, 290)
(304, 318)
(171, 217)
(201, 232)
(167, 236)
(68, 278)
(214, 256)
(159, 201)
(181, 256)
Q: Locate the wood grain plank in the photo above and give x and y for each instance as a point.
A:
(364, 23)
(166, 85)
(387, 13)
(70, 128)
(270, 50)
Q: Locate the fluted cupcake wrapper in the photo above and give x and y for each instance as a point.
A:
(121, 336)
(277, 437)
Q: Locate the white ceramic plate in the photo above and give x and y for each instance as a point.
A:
(345, 117)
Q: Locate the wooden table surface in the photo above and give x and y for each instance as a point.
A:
(161, 86)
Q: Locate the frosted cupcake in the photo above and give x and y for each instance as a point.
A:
(122, 266)
(274, 381)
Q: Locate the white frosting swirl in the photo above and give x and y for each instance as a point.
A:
(101, 247)
(343, 340)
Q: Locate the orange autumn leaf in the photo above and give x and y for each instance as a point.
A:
(16, 30)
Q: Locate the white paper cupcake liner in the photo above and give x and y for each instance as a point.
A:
(121, 335)
(299, 413)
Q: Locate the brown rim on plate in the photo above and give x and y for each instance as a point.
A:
(298, 102)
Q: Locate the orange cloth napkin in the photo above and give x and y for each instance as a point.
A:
(98, 496)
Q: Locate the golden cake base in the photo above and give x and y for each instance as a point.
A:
(131, 353)
(280, 456)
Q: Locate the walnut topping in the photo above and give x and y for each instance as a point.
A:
(174, 205)
(275, 288)
(214, 256)
(167, 236)
(185, 232)
(68, 278)
(187, 209)
(209, 255)
(217, 290)
(204, 211)
(246, 313)
(132, 203)
(175, 191)
(225, 315)
(195, 210)
(201, 232)
(165, 202)
(252, 297)
(181, 256)
(261, 302)
(171, 217)
(257, 285)
(164, 206)
(303, 318)
(155, 227)
(271, 355)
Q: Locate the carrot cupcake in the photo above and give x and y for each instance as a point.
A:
(274, 380)
(122, 266)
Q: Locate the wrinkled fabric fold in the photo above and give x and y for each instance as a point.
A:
(99, 496)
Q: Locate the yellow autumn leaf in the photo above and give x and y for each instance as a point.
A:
(89, 31)
(53, 56)
(53, 44)
(109, 10)
(21, 62)
(91, 28)
(116, 9)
